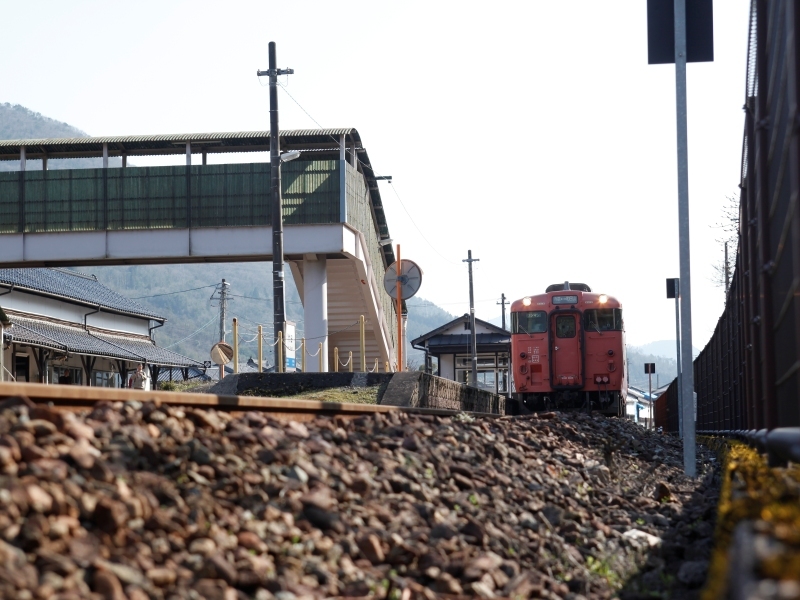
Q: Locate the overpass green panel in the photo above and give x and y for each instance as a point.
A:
(232, 195)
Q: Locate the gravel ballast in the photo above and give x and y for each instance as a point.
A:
(144, 501)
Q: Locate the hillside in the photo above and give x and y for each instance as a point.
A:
(20, 123)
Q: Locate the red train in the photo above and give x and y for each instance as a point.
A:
(568, 351)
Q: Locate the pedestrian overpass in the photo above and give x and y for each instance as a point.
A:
(332, 212)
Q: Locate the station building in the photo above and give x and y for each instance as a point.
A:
(66, 327)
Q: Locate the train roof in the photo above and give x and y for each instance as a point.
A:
(560, 287)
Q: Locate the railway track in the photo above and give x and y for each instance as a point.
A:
(76, 398)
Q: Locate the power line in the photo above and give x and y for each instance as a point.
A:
(378, 174)
(178, 292)
(191, 335)
(257, 298)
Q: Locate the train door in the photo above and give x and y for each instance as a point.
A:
(566, 351)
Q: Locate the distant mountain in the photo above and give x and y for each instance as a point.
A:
(20, 123)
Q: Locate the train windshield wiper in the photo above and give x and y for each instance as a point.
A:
(524, 330)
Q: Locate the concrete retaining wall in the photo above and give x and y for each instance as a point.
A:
(414, 389)
(420, 390)
(290, 384)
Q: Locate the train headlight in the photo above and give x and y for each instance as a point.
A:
(605, 379)
(603, 299)
(526, 301)
(598, 379)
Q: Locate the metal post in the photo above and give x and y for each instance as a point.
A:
(650, 386)
(399, 310)
(260, 348)
(678, 353)
(105, 156)
(320, 357)
(336, 359)
(303, 355)
(188, 154)
(235, 345)
(687, 383)
(350, 360)
(363, 346)
(473, 336)
(278, 291)
(22, 159)
(279, 363)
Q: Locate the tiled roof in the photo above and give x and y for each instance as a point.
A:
(464, 339)
(416, 343)
(79, 341)
(74, 286)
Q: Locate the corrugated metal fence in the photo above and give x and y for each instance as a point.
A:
(156, 197)
(748, 376)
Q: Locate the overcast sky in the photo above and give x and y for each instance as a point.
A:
(533, 133)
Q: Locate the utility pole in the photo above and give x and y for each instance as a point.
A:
(473, 335)
(223, 308)
(278, 289)
(502, 302)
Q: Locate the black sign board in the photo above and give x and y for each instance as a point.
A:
(661, 31)
(671, 291)
(649, 368)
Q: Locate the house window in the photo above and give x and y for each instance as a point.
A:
(66, 375)
(106, 379)
(22, 365)
(466, 326)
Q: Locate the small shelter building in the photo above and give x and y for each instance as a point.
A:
(450, 345)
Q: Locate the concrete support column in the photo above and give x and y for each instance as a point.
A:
(105, 156)
(315, 309)
(124, 160)
(205, 158)
(44, 163)
(188, 154)
(22, 158)
(341, 148)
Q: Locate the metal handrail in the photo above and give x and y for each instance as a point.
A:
(782, 445)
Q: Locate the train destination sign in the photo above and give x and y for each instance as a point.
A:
(565, 299)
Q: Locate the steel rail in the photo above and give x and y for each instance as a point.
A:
(76, 397)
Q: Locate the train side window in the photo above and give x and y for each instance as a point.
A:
(565, 326)
(529, 322)
(603, 319)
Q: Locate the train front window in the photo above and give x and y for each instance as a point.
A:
(565, 326)
(603, 319)
(529, 322)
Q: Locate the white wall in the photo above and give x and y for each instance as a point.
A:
(447, 367)
(65, 311)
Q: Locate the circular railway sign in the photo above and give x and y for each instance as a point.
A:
(221, 353)
(410, 279)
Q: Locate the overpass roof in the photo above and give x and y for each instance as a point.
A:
(316, 140)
